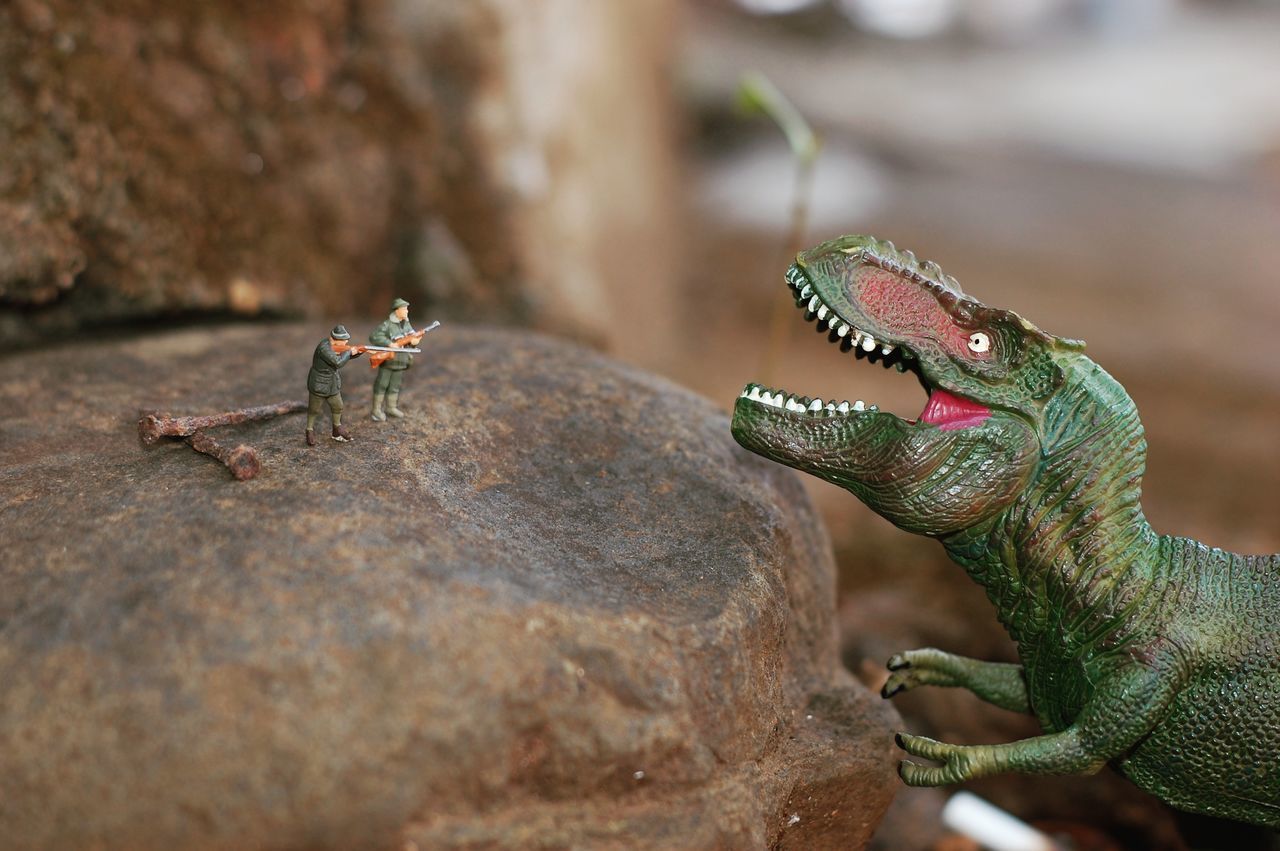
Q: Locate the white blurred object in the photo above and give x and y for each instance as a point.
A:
(1000, 21)
(905, 19)
(1011, 21)
(991, 827)
(1130, 19)
(754, 188)
(776, 7)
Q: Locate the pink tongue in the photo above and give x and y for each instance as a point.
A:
(951, 412)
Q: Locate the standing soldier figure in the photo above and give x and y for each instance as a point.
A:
(397, 333)
(324, 385)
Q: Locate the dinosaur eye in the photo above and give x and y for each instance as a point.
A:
(979, 342)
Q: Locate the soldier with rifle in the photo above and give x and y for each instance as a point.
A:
(324, 385)
(396, 334)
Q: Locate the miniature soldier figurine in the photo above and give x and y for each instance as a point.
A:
(397, 333)
(324, 385)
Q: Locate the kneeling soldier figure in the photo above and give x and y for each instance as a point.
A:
(324, 385)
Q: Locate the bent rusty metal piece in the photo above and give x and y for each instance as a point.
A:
(154, 425)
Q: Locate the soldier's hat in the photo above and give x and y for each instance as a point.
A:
(340, 332)
(398, 303)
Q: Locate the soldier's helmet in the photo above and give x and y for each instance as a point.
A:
(340, 332)
(397, 304)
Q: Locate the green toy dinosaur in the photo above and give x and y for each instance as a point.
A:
(1157, 654)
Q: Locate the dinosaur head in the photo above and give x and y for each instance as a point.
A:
(988, 374)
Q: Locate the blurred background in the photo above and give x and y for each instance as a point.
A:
(1108, 168)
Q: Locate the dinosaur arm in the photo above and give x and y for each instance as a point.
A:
(998, 683)
(1126, 705)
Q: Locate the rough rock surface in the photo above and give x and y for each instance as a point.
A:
(556, 606)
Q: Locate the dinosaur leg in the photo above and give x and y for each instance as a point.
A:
(1126, 706)
(997, 683)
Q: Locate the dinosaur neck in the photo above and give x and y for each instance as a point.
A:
(1074, 555)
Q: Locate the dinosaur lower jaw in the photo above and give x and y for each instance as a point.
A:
(944, 410)
(802, 406)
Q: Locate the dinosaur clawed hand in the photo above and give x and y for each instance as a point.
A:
(903, 677)
(957, 761)
(913, 668)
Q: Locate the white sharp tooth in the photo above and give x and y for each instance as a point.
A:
(815, 405)
(868, 343)
(822, 312)
(874, 408)
(793, 405)
(776, 401)
(814, 302)
(843, 330)
(858, 406)
(831, 406)
(886, 349)
(754, 394)
(843, 407)
(806, 292)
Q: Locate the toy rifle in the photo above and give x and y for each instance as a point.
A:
(357, 349)
(385, 354)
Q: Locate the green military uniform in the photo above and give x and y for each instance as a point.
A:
(324, 385)
(391, 373)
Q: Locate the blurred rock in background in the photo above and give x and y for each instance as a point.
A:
(494, 159)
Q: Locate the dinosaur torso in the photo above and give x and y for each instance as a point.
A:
(1156, 654)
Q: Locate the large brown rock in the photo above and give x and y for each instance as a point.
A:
(556, 606)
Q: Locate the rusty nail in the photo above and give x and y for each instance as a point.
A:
(242, 461)
(154, 425)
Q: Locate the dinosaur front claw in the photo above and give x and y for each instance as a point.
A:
(954, 758)
(923, 747)
(899, 681)
(905, 674)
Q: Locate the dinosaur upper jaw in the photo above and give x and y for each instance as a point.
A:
(854, 332)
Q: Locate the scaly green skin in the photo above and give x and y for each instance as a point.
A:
(1152, 653)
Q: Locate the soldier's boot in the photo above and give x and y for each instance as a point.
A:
(392, 410)
(378, 416)
(311, 437)
(340, 434)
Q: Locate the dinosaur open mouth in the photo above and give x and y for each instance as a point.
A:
(944, 410)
